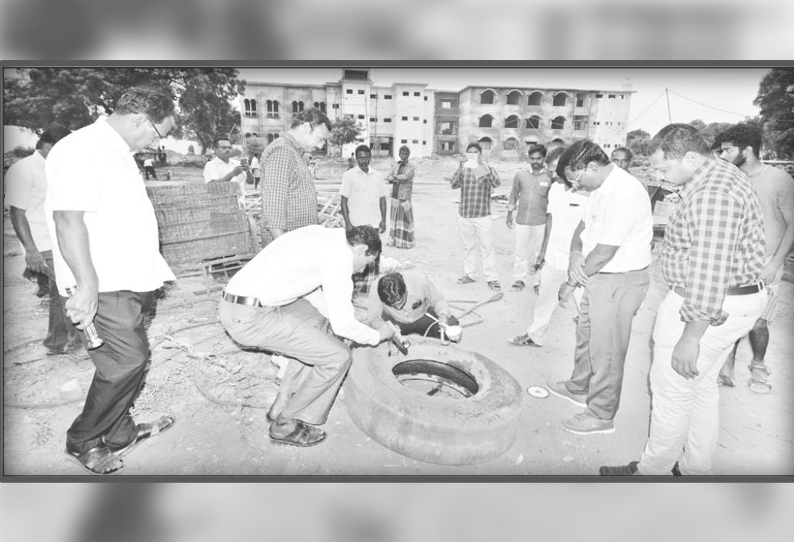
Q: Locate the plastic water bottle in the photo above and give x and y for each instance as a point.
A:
(92, 338)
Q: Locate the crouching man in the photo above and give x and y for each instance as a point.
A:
(414, 304)
(283, 301)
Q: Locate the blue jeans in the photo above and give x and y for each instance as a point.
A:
(603, 331)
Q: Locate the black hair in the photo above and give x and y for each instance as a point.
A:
(363, 148)
(391, 288)
(313, 116)
(218, 140)
(365, 235)
(52, 135)
(743, 136)
(474, 146)
(675, 140)
(404, 147)
(537, 147)
(581, 153)
(629, 154)
(155, 103)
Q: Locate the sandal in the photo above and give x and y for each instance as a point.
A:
(522, 340)
(758, 376)
(97, 460)
(518, 286)
(304, 435)
(465, 279)
(725, 381)
(495, 286)
(145, 432)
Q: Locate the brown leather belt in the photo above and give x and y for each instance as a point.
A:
(733, 290)
(242, 300)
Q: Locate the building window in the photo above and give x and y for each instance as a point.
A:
(406, 93)
(424, 121)
(404, 118)
(580, 122)
(387, 96)
(580, 100)
(416, 119)
(446, 127)
(560, 99)
(611, 96)
(297, 107)
(486, 121)
(599, 95)
(320, 106)
(487, 97)
(417, 93)
(425, 98)
(403, 141)
(535, 98)
(373, 96)
(250, 108)
(361, 91)
(336, 106)
(349, 91)
(446, 104)
(513, 97)
(533, 122)
(446, 146)
(512, 121)
(485, 143)
(424, 142)
(361, 117)
(622, 96)
(387, 119)
(272, 109)
(510, 144)
(373, 119)
(558, 123)
(415, 141)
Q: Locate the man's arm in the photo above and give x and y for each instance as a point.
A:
(491, 176)
(576, 274)
(405, 177)
(457, 177)
(33, 258)
(598, 258)
(786, 243)
(73, 242)
(512, 203)
(276, 169)
(382, 214)
(345, 213)
(546, 235)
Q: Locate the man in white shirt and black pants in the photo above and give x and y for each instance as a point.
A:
(283, 301)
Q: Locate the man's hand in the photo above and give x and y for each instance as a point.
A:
(685, 357)
(509, 220)
(382, 227)
(564, 294)
(387, 330)
(237, 170)
(768, 274)
(576, 274)
(35, 262)
(81, 307)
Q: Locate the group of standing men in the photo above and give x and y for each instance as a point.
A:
(717, 260)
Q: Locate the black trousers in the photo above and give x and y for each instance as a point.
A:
(149, 170)
(424, 326)
(121, 365)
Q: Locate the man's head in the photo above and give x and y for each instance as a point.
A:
(740, 143)
(405, 152)
(621, 157)
(144, 115)
(392, 290)
(223, 148)
(677, 151)
(49, 137)
(585, 165)
(537, 155)
(310, 128)
(363, 157)
(366, 245)
(716, 147)
(553, 163)
(474, 148)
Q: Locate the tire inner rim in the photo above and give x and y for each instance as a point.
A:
(435, 379)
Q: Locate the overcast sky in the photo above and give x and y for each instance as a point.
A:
(731, 90)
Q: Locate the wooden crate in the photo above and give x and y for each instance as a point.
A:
(200, 222)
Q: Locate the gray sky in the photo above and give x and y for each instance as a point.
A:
(731, 90)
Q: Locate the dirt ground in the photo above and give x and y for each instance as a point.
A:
(220, 394)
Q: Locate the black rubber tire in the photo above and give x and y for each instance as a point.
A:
(437, 430)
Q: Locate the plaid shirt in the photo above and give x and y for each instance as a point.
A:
(289, 199)
(714, 240)
(403, 173)
(475, 194)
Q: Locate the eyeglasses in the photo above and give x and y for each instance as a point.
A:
(159, 135)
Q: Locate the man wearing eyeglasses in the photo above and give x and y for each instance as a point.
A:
(106, 249)
(223, 168)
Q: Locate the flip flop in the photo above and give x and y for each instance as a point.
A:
(97, 460)
(758, 379)
(145, 432)
(304, 435)
(522, 340)
(495, 286)
(725, 381)
(465, 279)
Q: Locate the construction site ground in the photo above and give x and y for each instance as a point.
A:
(220, 393)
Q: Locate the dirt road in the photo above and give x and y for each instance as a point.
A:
(220, 394)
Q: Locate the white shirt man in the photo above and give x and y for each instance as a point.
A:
(223, 168)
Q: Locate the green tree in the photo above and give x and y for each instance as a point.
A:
(255, 145)
(343, 131)
(75, 97)
(637, 141)
(775, 100)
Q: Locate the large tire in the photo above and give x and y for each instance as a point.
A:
(439, 430)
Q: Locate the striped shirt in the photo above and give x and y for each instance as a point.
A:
(475, 194)
(714, 240)
(289, 199)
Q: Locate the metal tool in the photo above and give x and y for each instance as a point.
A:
(495, 297)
